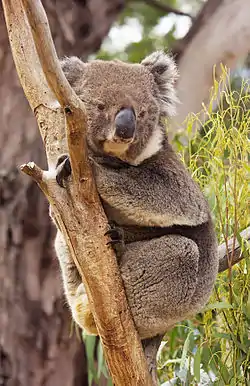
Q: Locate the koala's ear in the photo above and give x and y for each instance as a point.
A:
(164, 70)
(73, 68)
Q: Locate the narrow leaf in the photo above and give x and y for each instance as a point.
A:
(197, 364)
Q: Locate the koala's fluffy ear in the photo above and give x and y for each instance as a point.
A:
(165, 73)
(73, 68)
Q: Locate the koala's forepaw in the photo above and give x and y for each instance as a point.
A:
(63, 169)
(117, 239)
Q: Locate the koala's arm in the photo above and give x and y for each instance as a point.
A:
(157, 193)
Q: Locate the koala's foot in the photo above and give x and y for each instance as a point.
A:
(63, 169)
(81, 311)
(150, 348)
(117, 239)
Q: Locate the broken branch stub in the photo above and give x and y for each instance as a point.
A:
(77, 209)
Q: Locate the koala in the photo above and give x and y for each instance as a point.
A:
(161, 227)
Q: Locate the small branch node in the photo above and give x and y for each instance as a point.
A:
(83, 179)
(67, 110)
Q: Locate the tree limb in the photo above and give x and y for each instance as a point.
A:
(202, 17)
(224, 257)
(166, 8)
(73, 107)
(82, 221)
(220, 34)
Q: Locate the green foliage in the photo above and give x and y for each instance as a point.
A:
(148, 18)
(213, 348)
(95, 360)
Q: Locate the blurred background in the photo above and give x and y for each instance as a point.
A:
(39, 346)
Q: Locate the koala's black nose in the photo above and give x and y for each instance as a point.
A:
(125, 123)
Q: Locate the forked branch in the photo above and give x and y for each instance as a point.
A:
(77, 209)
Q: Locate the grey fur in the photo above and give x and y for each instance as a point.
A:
(165, 73)
(171, 261)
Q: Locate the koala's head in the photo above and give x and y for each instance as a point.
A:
(125, 103)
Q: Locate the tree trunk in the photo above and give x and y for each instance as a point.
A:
(36, 348)
(220, 34)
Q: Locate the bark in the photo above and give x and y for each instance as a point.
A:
(231, 252)
(81, 25)
(36, 348)
(205, 13)
(77, 209)
(220, 34)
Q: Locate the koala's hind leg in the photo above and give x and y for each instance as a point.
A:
(150, 348)
(160, 278)
(74, 289)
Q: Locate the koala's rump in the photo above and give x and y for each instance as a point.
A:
(160, 278)
(168, 278)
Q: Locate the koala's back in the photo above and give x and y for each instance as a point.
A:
(157, 193)
(169, 278)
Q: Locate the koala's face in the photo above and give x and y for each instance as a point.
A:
(125, 103)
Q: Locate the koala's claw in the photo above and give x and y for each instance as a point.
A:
(63, 170)
(115, 233)
(118, 246)
(117, 239)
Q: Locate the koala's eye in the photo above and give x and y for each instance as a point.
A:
(100, 106)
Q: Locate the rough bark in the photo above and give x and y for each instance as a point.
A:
(36, 348)
(220, 34)
(77, 210)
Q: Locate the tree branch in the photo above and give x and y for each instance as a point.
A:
(74, 108)
(202, 17)
(82, 225)
(210, 42)
(166, 8)
(224, 258)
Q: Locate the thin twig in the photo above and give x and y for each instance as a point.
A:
(166, 8)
